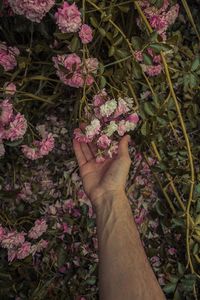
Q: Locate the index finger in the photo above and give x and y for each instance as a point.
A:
(79, 153)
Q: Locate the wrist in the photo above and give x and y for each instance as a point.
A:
(108, 199)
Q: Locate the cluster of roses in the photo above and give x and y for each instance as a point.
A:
(160, 19)
(12, 126)
(17, 246)
(68, 17)
(74, 72)
(8, 57)
(156, 67)
(110, 119)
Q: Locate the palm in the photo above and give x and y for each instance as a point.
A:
(95, 175)
(99, 178)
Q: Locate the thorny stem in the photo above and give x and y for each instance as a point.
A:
(125, 38)
(192, 182)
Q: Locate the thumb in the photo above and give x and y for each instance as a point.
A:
(123, 146)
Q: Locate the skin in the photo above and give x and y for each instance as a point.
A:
(124, 270)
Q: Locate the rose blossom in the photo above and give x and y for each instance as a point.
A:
(38, 229)
(68, 18)
(8, 56)
(12, 239)
(104, 142)
(6, 112)
(152, 70)
(30, 152)
(24, 250)
(46, 145)
(17, 128)
(33, 10)
(85, 34)
(10, 88)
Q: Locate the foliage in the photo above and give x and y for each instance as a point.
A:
(165, 201)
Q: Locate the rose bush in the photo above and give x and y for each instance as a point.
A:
(133, 67)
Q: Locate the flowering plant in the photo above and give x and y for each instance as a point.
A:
(130, 67)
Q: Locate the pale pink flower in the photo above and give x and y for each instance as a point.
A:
(13, 239)
(111, 128)
(8, 57)
(108, 108)
(172, 251)
(33, 10)
(155, 261)
(39, 247)
(76, 80)
(81, 137)
(72, 62)
(24, 250)
(152, 70)
(100, 98)
(158, 22)
(91, 65)
(85, 34)
(122, 108)
(138, 55)
(103, 142)
(30, 152)
(10, 88)
(6, 112)
(89, 80)
(46, 145)
(172, 14)
(39, 148)
(12, 254)
(93, 129)
(133, 118)
(17, 128)
(38, 229)
(68, 18)
(76, 74)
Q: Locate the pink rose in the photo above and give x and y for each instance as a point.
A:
(85, 34)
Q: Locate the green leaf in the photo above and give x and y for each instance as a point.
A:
(111, 51)
(195, 64)
(149, 109)
(169, 288)
(160, 47)
(102, 31)
(147, 59)
(15, 143)
(75, 43)
(145, 128)
(136, 69)
(154, 36)
(137, 42)
(102, 82)
(94, 22)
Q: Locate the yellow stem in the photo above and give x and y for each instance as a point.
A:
(185, 136)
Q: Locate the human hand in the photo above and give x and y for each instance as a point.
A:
(108, 177)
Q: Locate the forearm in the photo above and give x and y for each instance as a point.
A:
(124, 271)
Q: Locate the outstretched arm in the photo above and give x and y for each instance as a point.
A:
(124, 271)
